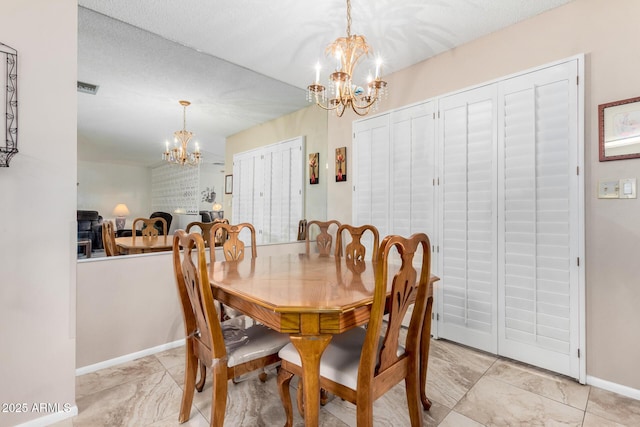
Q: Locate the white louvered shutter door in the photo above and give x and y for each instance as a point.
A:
(467, 292)
(538, 205)
(371, 170)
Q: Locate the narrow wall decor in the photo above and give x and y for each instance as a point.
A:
(314, 168)
(341, 164)
(9, 80)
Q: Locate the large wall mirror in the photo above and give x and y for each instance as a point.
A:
(619, 124)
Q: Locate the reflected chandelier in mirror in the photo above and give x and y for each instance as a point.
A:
(9, 80)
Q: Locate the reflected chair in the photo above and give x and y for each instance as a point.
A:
(166, 216)
(227, 348)
(220, 234)
(361, 365)
(109, 239)
(355, 251)
(302, 229)
(149, 228)
(205, 231)
(233, 248)
(324, 238)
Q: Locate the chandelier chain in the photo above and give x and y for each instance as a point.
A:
(348, 18)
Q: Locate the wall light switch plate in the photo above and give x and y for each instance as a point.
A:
(608, 189)
(628, 188)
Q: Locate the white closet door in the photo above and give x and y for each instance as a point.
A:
(371, 172)
(268, 190)
(412, 181)
(538, 273)
(243, 168)
(466, 296)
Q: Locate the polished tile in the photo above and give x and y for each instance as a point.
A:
(544, 383)
(455, 419)
(495, 403)
(591, 420)
(453, 370)
(133, 403)
(613, 407)
(468, 388)
(106, 378)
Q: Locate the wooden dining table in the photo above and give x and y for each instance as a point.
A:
(141, 244)
(311, 298)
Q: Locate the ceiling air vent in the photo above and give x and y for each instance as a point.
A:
(87, 88)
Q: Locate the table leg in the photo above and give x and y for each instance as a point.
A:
(310, 349)
(425, 342)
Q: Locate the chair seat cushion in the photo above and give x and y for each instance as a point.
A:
(340, 359)
(251, 343)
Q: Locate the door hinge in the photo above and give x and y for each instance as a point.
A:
(578, 260)
(578, 353)
(577, 80)
(577, 170)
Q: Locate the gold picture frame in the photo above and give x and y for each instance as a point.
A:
(619, 129)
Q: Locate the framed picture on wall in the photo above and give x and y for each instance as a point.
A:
(314, 168)
(228, 184)
(619, 124)
(341, 164)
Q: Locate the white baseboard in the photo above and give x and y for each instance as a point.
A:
(47, 420)
(128, 357)
(614, 387)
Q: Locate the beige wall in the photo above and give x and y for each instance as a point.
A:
(101, 186)
(129, 304)
(310, 122)
(607, 35)
(37, 212)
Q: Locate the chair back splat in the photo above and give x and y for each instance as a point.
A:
(209, 342)
(324, 239)
(149, 228)
(355, 251)
(233, 248)
(361, 365)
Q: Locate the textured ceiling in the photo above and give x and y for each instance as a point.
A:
(241, 62)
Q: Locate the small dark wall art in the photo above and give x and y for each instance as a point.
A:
(341, 164)
(314, 168)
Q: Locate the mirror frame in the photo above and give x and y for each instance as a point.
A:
(604, 121)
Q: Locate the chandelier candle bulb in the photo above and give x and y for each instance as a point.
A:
(347, 52)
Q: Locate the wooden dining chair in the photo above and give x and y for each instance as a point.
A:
(302, 229)
(355, 250)
(220, 234)
(148, 227)
(205, 231)
(233, 248)
(109, 239)
(359, 365)
(324, 238)
(227, 348)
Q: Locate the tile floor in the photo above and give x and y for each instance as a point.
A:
(467, 387)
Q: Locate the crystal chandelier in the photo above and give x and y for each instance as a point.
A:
(344, 94)
(178, 154)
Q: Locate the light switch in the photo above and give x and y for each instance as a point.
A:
(628, 188)
(608, 189)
